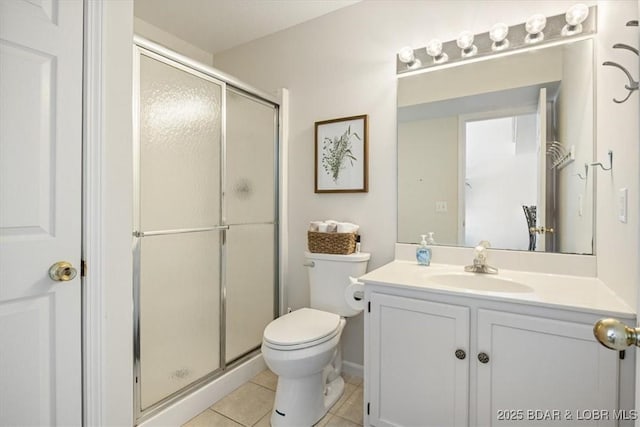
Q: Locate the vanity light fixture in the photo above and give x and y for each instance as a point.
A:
(434, 49)
(407, 56)
(498, 35)
(535, 25)
(578, 22)
(575, 16)
(465, 43)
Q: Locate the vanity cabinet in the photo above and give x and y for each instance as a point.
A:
(434, 360)
(414, 368)
(538, 364)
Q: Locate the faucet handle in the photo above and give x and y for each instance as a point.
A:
(480, 252)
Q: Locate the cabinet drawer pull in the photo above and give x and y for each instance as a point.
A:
(483, 357)
(460, 354)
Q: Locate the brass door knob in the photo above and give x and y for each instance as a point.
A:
(62, 271)
(614, 334)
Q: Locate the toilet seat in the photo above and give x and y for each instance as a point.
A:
(300, 329)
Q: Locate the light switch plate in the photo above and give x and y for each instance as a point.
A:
(622, 205)
(441, 206)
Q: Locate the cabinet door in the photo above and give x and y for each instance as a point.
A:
(416, 378)
(545, 371)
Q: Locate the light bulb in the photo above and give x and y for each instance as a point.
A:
(534, 26)
(434, 49)
(498, 34)
(406, 55)
(465, 42)
(575, 16)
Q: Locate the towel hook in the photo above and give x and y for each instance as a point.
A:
(626, 46)
(631, 87)
(586, 173)
(610, 154)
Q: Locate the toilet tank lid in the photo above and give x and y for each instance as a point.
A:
(357, 257)
(301, 326)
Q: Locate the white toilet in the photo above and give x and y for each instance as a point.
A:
(303, 347)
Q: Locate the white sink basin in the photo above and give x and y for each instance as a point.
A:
(479, 282)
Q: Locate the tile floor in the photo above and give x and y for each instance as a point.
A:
(251, 404)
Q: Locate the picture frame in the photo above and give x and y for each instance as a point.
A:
(342, 155)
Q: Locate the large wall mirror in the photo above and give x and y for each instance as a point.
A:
(496, 150)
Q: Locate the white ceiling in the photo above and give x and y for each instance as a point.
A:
(217, 25)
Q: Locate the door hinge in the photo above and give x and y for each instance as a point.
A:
(83, 268)
(369, 307)
(368, 408)
(621, 354)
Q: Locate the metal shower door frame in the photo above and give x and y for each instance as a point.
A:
(226, 82)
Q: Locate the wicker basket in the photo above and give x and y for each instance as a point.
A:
(331, 243)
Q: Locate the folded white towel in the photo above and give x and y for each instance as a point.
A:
(332, 225)
(313, 225)
(347, 227)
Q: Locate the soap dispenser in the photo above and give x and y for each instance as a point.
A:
(430, 240)
(423, 253)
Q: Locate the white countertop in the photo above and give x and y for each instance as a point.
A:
(586, 294)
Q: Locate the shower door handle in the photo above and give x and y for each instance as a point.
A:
(178, 231)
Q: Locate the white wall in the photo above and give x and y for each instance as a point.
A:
(427, 173)
(343, 64)
(617, 130)
(575, 195)
(168, 40)
(117, 178)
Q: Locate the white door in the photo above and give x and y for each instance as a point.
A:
(40, 211)
(419, 363)
(542, 166)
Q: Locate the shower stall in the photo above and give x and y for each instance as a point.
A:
(205, 238)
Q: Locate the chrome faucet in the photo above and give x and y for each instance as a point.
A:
(480, 256)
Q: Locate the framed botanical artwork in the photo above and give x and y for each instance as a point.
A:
(341, 159)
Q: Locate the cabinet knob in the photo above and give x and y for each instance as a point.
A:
(483, 357)
(460, 354)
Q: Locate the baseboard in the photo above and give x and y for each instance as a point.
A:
(353, 369)
(190, 406)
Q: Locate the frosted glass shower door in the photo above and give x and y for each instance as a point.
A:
(251, 215)
(178, 230)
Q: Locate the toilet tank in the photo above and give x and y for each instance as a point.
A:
(328, 278)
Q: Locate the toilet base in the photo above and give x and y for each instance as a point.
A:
(304, 401)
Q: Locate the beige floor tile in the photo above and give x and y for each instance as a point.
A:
(324, 420)
(351, 379)
(266, 379)
(352, 409)
(209, 418)
(348, 391)
(336, 421)
(264, 421)
(246, 405)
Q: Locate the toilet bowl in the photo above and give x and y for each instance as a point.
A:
(303, 347)
(303, 364)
